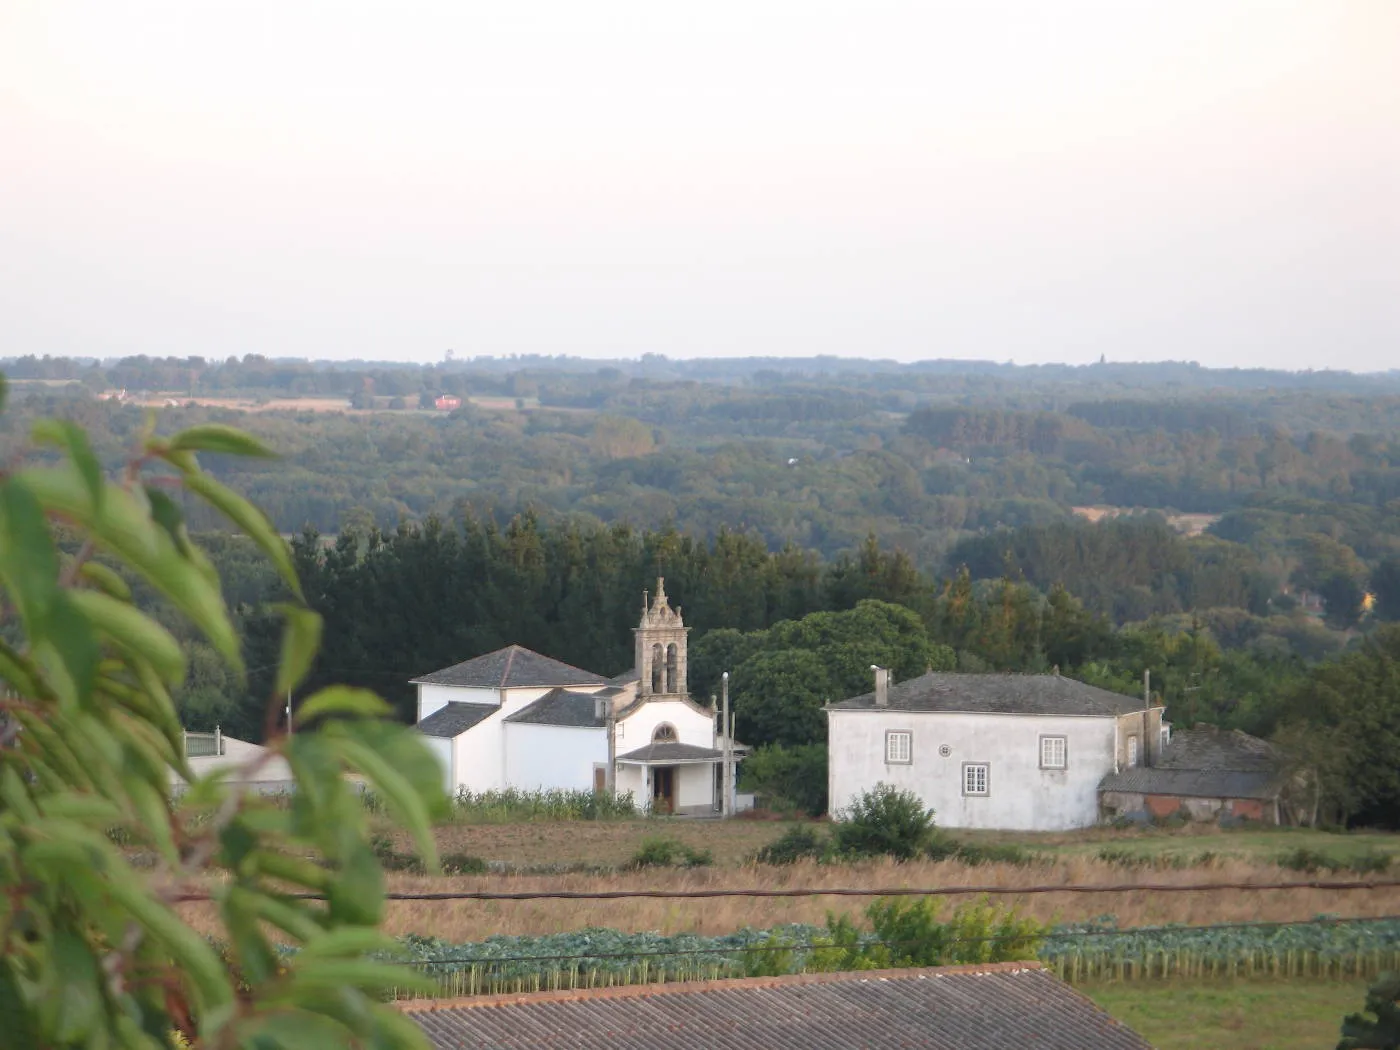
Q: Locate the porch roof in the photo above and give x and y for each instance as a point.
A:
(670, 753)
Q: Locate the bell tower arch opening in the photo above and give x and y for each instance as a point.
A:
(661, 646)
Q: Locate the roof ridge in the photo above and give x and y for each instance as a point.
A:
(642, 991)
(514, 648)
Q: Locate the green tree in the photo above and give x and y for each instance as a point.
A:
(1342, 600)
(92, 950)
(1385, 586)
(1381, 1030)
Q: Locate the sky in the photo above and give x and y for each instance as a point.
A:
(1207, 180)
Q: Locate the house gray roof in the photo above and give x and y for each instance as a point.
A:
(562, 707)
(986, 1007)
(513, 667)
(671, 751)
(1205, 762)
(1013, 694)
(455, 719)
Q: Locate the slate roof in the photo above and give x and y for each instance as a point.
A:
(1013, 694)
(1205, 762)
(513, 667)
(671, 751)
(455, 719)
(987, 1007)
(562, 707)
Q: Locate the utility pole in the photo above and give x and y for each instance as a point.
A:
(726, 804)
(289, 712)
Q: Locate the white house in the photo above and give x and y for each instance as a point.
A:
(516, 719)
(1019, 752)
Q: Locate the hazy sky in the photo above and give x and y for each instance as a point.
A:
(1046, 180)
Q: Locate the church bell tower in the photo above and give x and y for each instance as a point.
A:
(660, 638)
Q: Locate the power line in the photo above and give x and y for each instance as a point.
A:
(1132, 931)
(894, 891)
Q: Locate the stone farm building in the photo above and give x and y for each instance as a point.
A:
(1203, 773)
(516, 719)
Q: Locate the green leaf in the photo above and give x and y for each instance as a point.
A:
(105, 580)
(300, 639)
(134, 632)
(357, 894)
(251, 520)
(125, 528)
(67, 434)
(79, 990)
(342, 700)
(351, 941)
(405, 800)
(196, 959)
(215, 437)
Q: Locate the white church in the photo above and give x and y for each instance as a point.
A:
(516, 719)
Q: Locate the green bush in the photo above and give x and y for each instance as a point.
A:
(911, 935)
(799, 842)
(663, 853)
(790, 779)
(462, 864)
(885, 821)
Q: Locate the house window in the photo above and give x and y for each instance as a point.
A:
(976, 778)
(1053, 752)
(664, 733)
(899, 747)
(1132, 751)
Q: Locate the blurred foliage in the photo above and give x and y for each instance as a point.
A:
(94, 952)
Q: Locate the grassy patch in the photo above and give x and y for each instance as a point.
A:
(1241, 1015)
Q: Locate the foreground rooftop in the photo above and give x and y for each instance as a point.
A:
(988, 1007)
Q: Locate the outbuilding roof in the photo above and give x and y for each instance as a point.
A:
(562, 707)
(1012, 694)
(513, 667)
(988, 1007)
(1205, 762)
(455, 718)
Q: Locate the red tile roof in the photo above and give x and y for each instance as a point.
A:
(987, 1007)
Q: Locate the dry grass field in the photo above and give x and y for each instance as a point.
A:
(1067, 860)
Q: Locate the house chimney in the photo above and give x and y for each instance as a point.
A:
(882, 686)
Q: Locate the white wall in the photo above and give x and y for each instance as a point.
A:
(1022, 796)
(544, 757)
(435, 697)
(635, 729)
(441, 747)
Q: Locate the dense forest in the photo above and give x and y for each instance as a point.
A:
(1236, 534)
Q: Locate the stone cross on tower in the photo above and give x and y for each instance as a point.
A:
(661, 658)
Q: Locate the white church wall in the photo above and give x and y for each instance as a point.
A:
(435, 697)
(638, 726)
(441, 747)
(543, 758)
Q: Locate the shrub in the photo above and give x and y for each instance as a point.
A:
(662, 853)
(788, 779)
(799, 842)
(885, 821)
(909, 931)
(462, 864)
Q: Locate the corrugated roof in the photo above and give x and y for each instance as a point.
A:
(671, 751)
(1019, 694)
(455, 719)
(988, 1007)
(560, 707)
(513, 667)
(1207, 747)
